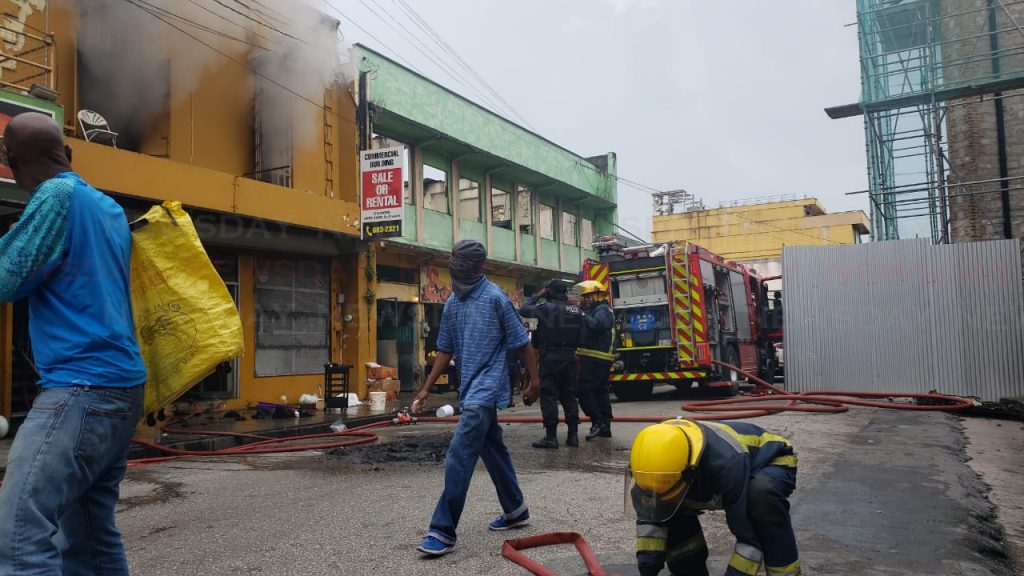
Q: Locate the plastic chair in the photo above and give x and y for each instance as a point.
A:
(95, 128)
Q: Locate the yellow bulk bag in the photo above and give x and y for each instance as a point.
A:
(185, 319)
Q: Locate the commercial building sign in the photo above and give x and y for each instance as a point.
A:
(381, 192)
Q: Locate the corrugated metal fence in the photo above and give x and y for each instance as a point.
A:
(905, 316)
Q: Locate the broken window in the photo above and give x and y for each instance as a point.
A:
(524, 209)
(546, 215)
(469, 199)
(435, 189)
(568, 228)
(501, 211)
(586, 233)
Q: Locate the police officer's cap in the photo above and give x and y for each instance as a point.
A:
(556, 286)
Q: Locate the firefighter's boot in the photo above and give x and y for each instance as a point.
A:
(549, 441)
(597, 430)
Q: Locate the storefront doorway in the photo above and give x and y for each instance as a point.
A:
(397, 338)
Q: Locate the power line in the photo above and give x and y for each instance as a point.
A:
(230, 21)
(193, 23)
(370, 34)
(635, 237)
(256, 20)
(239, 62)
(269, 11)
(426, 27)
(409, 37)
(440, 62)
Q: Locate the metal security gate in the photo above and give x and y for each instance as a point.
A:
(905, 316)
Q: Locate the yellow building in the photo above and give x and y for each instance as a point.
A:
(755, 233)
(247, 128)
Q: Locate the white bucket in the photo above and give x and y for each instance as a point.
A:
(445, 411)
(378, 400)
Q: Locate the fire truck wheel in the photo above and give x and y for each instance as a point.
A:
(632, 391)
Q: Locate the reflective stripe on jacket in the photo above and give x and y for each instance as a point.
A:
(733, 453)
(597, 341)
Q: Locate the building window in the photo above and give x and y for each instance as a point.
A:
(524, 209)
(272, 137)
(435, 189)
(586, 233)
(398, 275)
(501, 213)
(546, 215)
(292, 315)
(469, 200)
(568, 228)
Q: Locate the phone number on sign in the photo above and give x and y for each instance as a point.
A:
(384, 229)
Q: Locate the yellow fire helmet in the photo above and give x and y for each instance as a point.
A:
(663, 463)
(589, 287)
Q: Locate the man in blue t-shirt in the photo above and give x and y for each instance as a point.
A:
(479, 326)
(69, 256)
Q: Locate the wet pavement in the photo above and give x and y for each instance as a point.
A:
(879, 492)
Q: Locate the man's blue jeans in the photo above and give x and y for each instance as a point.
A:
(63, 473)
(477, 436)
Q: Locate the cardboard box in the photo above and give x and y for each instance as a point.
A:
(381, 372)
(389, 385)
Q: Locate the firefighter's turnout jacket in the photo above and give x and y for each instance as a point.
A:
(734, 454)
(596, 342)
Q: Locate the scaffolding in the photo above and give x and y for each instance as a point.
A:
(921, 60)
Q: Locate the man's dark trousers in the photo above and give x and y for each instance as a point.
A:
(558, 384)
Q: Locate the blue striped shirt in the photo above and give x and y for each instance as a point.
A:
(479, 331)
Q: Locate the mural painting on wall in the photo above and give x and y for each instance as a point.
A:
(436, 286)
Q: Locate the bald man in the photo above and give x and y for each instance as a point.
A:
(68, 255)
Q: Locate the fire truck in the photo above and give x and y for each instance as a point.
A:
(677, 307)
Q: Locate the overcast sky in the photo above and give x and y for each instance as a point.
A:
(724, 99)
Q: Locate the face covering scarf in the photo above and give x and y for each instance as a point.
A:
(466, 267)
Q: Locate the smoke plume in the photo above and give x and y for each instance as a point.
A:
(126, 47)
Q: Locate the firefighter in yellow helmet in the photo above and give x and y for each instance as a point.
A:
(596, 354)
(680, 467)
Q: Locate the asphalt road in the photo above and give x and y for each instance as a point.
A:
(879, 492)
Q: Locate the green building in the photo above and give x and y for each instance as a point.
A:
(470, 173)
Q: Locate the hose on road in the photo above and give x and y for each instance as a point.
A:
(770, 400)
(773, 400)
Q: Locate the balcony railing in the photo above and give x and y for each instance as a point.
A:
(26, 59)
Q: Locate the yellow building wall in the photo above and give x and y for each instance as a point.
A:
(759, 232)
(197, 152)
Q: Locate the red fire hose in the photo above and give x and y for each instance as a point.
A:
(511, 550)
(771, 400)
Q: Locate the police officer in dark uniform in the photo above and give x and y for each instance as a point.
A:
(557, 337)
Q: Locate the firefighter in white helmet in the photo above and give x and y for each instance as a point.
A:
(680, 467)
(596, 354)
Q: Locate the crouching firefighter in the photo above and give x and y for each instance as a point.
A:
(680, 467)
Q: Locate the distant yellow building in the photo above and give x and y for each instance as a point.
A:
(755, 233)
